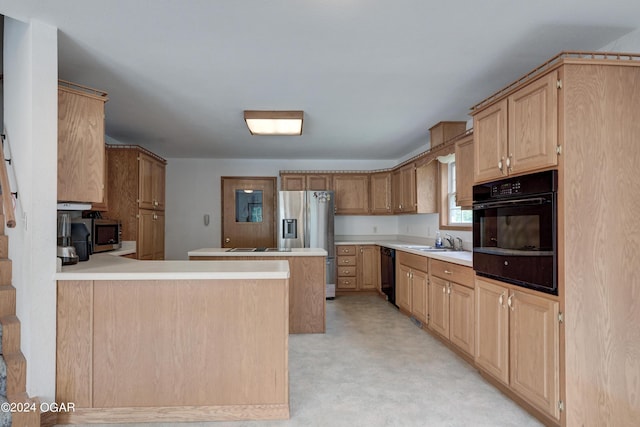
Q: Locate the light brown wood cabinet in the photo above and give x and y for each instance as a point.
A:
(412, 284)
(358, 267)
(451, 303)
(303, 182)
(517, 342)
(137, 197)
(351, 194)
(81, 155)
(152, 182)
(464, 172)
(519, 133)
(380, 197)
(426, 187)
(403, 189)
(150, 244)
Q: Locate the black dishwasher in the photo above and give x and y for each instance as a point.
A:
(388, 273)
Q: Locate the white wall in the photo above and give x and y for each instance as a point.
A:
(31, 123)
(193, 190)
(628, 43)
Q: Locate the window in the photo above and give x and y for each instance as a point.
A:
(451, 215)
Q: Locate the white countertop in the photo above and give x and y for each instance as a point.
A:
(457, 257)
(224, 252)
(108, 267)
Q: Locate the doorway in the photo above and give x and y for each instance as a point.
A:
(248, 212)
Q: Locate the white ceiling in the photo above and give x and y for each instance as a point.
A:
(371, 75)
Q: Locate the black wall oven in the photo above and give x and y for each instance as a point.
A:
(514, 230)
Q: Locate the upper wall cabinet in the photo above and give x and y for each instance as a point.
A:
(351, 193)
(302, 182)
(380, 197)
(403, 189)
(81, 151)
(464, 172)
(519, 133)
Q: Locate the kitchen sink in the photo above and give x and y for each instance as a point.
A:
(425, 248)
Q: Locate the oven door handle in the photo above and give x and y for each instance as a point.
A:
(535, 201)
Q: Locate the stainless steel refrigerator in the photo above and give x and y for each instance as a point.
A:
(305, 220)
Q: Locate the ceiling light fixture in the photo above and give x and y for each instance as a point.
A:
(274, 122)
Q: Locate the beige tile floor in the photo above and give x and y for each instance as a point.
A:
(374, 367)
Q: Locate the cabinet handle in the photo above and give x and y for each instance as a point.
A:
(155, 203)
(500, 163)
(501, 299)
(346, 261)
(444, 289)
(346, 272)
(449, 289)
(227, 240)
(509, 302)
(448, 272)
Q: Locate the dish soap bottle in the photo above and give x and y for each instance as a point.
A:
(438, 240)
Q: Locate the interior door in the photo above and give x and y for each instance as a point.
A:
(248, 212)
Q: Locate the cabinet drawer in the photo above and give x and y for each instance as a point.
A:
(347, 260)
(453, 272)
(417, 262)
(347, 283)
(345, 250)
(346, 271)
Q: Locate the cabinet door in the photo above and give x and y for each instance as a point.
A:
(145, 190)
(369, 267)
(158, 184)
(81, 160)
(439, 306)
(408, 175)
(318, 182)
(292, 182)
(396, 191)
(533, 126)
(534, 350)
(351, 193)
(490, 143)
(158, 236)
(419, 291)
(146, 227)
(461, 317)
(403, 287)
(492, 330)
(426, 187)
(380, 198)
(464, 172)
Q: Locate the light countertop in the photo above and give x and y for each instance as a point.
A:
(224, 252)
(457, 257)
(107, 267)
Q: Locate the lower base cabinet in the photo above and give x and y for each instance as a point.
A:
(412, 284)
(451, 304)
(517, 342)
(358, 268)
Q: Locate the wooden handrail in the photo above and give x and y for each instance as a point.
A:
(7, 200)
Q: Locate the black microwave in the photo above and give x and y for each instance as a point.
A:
(106, 234)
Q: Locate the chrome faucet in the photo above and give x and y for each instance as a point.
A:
(460, 245)
(449, 238)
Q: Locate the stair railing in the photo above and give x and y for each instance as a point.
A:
(8, 198)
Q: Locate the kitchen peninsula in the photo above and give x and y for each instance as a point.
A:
(307, 283)
(172, 341)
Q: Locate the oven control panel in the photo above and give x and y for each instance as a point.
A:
(506, 188)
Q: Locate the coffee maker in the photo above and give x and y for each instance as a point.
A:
(66, 251)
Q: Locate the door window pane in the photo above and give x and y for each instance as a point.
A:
(248, 205)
